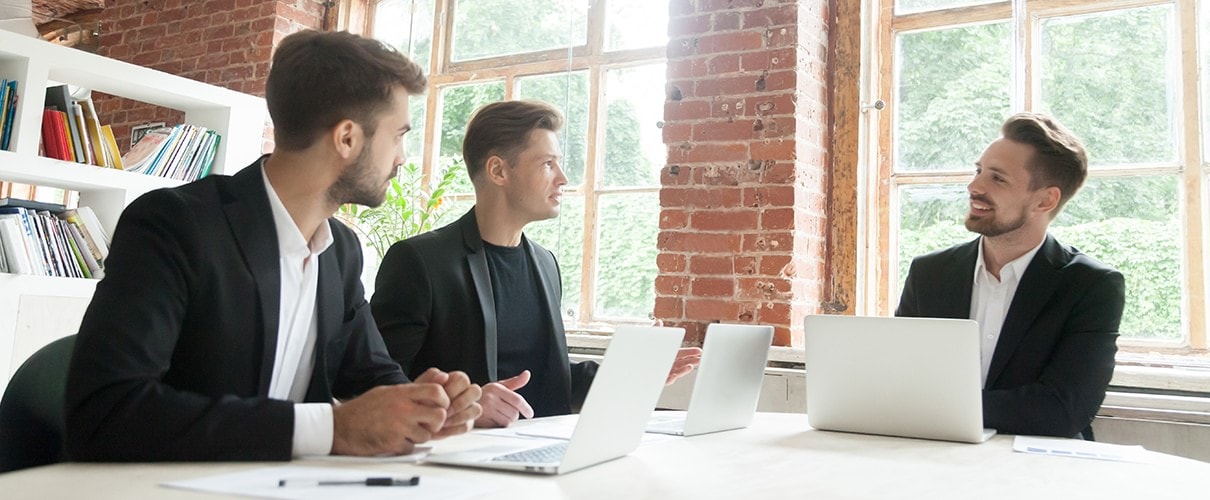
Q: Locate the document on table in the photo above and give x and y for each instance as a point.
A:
(560, 429)
(263, 483)
(1077, 448)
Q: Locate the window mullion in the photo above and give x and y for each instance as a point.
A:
(1025, 53)
(1195, 249)
(596, 27)
(593, 173)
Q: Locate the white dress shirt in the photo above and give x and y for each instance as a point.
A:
(297, 329)
(991, 298)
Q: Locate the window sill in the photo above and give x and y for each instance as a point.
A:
(1135, 373)
(1168, 393)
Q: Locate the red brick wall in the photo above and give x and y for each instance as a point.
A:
(221, 42)
(744, 191)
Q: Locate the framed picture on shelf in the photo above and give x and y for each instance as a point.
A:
(138, 131)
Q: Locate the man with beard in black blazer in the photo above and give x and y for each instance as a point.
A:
(231, 323)
(1048, 315)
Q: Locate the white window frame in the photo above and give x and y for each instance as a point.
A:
(1192, 165)
(590, 57)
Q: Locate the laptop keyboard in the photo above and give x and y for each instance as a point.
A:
(545, 454)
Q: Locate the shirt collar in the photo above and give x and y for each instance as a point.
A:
(1015, 268)
(290, 242)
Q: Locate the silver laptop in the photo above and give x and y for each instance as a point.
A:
(615, 412)
(727, 384)
(909, 377)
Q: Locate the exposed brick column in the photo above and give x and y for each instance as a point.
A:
(228, 43)
(745, 189)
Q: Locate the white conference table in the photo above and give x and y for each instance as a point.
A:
(778, 456)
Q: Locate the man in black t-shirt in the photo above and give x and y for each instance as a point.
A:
(477, 295)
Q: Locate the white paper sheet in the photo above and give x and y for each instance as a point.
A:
(1076, 448)
(560, 430)
(263, 483)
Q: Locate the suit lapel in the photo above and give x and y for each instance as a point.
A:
(1038, 284)
(476, 260)
(549, 279)
(329, 310)
(251, 221)
(960, 271)
(559, 386)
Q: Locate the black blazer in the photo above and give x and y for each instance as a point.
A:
(434, 306)
(175, 353)
(1055, 355)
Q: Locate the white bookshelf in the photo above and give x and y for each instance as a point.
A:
(35, 310)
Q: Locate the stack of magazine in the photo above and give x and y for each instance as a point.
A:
(184, 152)
(46, 239)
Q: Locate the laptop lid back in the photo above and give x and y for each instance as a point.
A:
(623, 395)
(727, 386)
(910, 377)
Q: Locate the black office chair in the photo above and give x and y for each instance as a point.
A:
(31, 413)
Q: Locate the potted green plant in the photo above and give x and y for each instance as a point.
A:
(410, 208)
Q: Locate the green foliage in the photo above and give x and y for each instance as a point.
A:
(568, 92)
(626, 255)
(1105, 76)
(564, 235)
(457, 105)
(409, 209)
(485, 28)
(625, 165)
(1145, 252)
(953, 95)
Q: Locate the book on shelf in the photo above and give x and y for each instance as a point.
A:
(112, 155)
(81, 136)
(51, 130)
(71, 131)
(65, 244)
(96, 247)
(16, 253)
(8, 111)
(93, 224)
(3, 259)
(59, 98)
(144, 152)
(184, 152)
(98, 138)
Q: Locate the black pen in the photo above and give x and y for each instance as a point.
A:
(369, 481)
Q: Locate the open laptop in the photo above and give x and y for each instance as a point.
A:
(909, 377)
(615, 412)
(727, 384)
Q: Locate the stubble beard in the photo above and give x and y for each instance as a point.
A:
(990, 226)
(357, 183)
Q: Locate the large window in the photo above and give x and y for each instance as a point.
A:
(1122, 74)
(602, 64)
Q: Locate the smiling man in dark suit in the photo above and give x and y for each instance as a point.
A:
(1048, 315)
(232, 318)
(479, 296)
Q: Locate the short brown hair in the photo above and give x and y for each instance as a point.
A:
(1059, 157)
(319, 78)
(502, 129)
